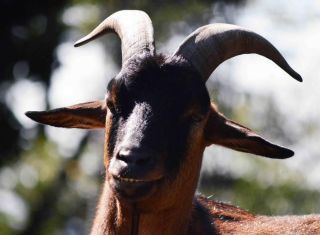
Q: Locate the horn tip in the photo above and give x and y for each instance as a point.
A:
(85, 39)
(78, 43)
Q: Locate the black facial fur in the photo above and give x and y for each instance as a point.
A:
(177, 97)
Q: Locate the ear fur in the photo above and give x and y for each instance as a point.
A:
(224, 132)
(85, 116)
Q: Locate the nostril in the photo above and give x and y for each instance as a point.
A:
(122, 157)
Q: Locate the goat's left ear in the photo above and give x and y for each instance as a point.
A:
(85, 116)
(224, 132)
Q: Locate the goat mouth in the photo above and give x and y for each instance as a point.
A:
(133, 189)
(131, 180)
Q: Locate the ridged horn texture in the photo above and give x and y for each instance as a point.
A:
(134, 29)
(210, 45)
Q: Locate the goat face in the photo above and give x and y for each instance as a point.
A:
(156, 114)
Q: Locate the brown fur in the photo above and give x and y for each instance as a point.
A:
(223, 219)
(229, 219)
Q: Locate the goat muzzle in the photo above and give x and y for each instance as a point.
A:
(134, 174)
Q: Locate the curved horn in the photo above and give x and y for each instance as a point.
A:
(210, 45)
(134, 29)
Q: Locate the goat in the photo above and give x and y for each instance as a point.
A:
(158, 120)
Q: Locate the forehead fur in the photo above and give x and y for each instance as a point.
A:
(156, 78)
(147, 67)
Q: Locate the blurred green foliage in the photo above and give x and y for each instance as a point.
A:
(255, 197)
(54, 194)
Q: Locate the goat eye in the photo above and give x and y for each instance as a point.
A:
(197, 117)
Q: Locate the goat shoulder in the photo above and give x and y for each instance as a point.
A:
(229, 219)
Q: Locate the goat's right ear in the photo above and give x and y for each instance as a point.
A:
(85, 116)
(224, 132)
